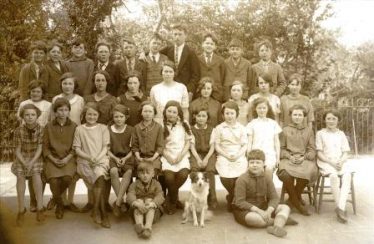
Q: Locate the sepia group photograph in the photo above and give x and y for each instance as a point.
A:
(186, 121)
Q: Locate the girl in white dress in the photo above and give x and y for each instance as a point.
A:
(332, 150)
(263, 132)
(168, 90)
(91, 144)
(230, 141)
(175, 158)
(69, 85)
(37, 94)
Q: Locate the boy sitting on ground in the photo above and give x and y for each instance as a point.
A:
(145, 198)
(256, 203)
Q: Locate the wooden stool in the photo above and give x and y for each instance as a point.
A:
(320, 186)
(309, 190)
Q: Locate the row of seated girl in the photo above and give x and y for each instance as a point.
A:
(114, 150)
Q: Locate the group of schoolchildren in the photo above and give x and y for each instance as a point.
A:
(160, 115)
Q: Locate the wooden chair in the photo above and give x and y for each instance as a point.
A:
(320, 192)
(310, 190)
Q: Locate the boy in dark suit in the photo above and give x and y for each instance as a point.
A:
(212, 65)
(185, 59)
(154, 61)
(103, 51)
(265, 65)
(131, 62)
(237, 69)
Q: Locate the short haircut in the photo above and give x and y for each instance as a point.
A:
(131, 74)
(77, 42)
(38, 45)
(211, 36)
(69, 75)
(230, 105)
(147, 103)
(202, 82)
(235, 43)
(198, 110)
(180, 27)
(156, 36)
(103, 43)
(297, 77)
(298, 107)
(29, 106)
(259, 100)
(129, 40)
(237, 83)
(144, 167)
(89, 105)
(60, 102)
(122, 109)
(256, 154)
(266, 77)
(332, 111)
(55, 43)
(168, 63)
(104, 73)
(35, 84)
(265, 43)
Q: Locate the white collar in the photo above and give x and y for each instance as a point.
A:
(114, 129)
(196, 127)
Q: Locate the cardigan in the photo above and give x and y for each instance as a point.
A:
(138, 190)
(251, 190)
(83, 69)
(276, 73)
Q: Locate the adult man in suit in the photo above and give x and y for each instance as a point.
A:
(131, 62)
(185, 59)
(103, 51)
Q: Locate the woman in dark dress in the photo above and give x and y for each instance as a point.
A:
(132, 97)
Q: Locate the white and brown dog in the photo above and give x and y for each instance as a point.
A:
(197, 201)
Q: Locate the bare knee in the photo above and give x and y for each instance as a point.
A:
(114, 173)
(127, 174)
(283, 209)
(253, 219)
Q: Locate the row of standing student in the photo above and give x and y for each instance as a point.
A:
(190, 67)
(229, 139)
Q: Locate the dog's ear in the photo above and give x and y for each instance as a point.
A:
(193, 176)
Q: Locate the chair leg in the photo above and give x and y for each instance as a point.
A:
(353, 194)
(315, 193)
(283, 191)
(310, 195)
(321, 194)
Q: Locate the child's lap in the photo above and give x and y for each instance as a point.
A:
(327, 169)
(156, 218)
(91, 174)
(19, 170)
(210, 167)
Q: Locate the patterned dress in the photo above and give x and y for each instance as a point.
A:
(29, 140)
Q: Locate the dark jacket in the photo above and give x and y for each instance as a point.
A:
(188, 70)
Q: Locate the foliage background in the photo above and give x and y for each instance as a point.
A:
(332, 73)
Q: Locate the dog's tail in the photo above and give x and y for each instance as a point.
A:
(208, 215)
